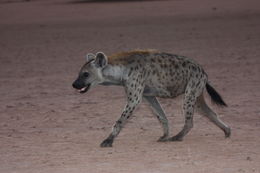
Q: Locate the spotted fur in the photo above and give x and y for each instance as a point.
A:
(149, 74)
(126, 57)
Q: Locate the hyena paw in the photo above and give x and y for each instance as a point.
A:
(227, 132)
(163, 138)
(176, 138)
(107, 143)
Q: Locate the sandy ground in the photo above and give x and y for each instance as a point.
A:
(46, 126)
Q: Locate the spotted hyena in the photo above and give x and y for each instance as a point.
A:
(150, 74)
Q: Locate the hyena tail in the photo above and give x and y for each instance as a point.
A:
(216, 98)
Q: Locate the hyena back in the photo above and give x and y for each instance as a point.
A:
(149, 74)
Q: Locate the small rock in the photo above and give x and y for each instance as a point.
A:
(248, 158)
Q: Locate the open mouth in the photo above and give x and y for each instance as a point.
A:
(84, 89)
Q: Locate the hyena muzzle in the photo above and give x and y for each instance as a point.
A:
(147, 74)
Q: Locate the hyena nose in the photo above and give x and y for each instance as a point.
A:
(78, 84)
(75, 84)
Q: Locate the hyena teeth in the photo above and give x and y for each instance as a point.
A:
(82, 89)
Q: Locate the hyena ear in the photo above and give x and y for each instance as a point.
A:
(90, 57)
(101, 60)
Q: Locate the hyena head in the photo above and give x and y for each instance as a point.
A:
(90, 74)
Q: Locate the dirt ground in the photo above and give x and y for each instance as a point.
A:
(46, 126)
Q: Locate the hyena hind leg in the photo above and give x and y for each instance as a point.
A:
(188, 110)
(205, 110)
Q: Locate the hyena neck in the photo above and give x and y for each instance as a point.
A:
(114, 75)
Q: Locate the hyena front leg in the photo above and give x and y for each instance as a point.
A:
(160, 116)
(134, 94)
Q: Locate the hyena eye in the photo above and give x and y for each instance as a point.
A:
(85, 74)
